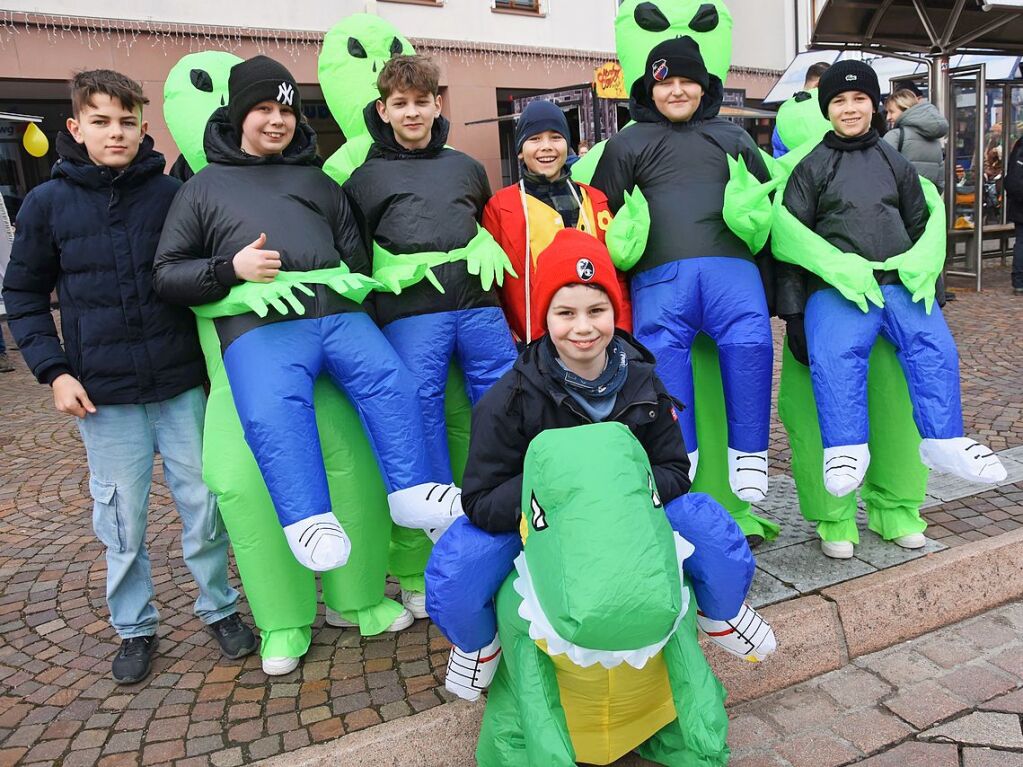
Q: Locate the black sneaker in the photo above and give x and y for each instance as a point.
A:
(133, 660)
(235, 638)
(754, 540)
(1017, 291)
(6, 366)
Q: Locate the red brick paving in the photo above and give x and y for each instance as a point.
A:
(59, 706)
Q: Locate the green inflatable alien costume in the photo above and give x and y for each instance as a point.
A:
(577, 682)
(896, 481)
(639, 27)
(281, 592)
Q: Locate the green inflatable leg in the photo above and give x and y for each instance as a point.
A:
(712, 475)
(410, 549)
(896, 481)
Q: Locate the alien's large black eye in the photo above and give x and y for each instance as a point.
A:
(539, 515)
(396, 47)
(355, 48)
(802, 96)
(706, 19)
(650, 18)
(201, 80)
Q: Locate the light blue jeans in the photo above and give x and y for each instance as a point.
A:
(120, 441)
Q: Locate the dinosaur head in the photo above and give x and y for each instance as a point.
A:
(642, 24)
(354, 51)
(600, 571)
(196, 87)
(800, 120)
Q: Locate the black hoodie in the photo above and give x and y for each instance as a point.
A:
(528, 399)
(682, 171)
(419, 201)
(226, 206)
(92, 232)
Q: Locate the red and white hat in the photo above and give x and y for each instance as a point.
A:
(573, 258)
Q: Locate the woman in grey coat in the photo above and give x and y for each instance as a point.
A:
(917, 133)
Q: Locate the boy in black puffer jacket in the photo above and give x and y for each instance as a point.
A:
(865, 199)
(264, 189)
(130, 368)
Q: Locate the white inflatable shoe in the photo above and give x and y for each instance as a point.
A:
(844, 468)
(430, 506)
(694, 459)
(319, 542)
(963, 457)
(279, 666)
(403, 621)
(747, 635)
(415, 602)
(747, 474)
(470, 673)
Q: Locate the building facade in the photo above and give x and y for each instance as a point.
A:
(493, 54)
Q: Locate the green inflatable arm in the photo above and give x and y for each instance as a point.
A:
(747, 209)
(920, 266)
(627, 236)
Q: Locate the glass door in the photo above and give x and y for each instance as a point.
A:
(968, 177)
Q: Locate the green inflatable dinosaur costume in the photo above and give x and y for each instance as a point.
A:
(639, 27)
(578, 682)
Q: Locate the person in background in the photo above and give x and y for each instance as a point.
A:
(917, 131)
(813, 77)
(1014, 201)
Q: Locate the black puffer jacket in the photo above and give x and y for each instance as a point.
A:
(527, 400)
(1014, 183)
(226, 205)
(860, 195)
(682, 170)
(92, 234)
(418, 201)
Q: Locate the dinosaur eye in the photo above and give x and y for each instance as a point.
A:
(539, 515)
(355, 48)
(650, 18)
(396, 47)
(706, 19)
(201, 80)
(653, 492)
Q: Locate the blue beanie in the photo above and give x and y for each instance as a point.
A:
(537, 117)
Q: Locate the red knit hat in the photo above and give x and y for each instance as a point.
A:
(573, 258)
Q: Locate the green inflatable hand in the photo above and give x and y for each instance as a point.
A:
(487, 260)
(627, 236)
(747, 210)
(920, 266)
(281, 294)
(196, 87)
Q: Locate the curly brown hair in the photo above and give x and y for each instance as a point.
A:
(85, 85)
(409, 73)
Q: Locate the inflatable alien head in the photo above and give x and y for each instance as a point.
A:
(800, 120)
(354, 51)
(640, 26)
(196, 87)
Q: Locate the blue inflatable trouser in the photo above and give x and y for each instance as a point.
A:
(279, 363)
(723, 298)
(479, 339)
(840, 337)
(468, 566)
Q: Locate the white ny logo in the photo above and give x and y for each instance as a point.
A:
(285, 93)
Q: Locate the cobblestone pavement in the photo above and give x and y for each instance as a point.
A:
(58, 705)
(951, 698)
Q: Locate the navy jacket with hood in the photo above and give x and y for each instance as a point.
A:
(682, 170)
(226, 206)
(420, 201)
(92, 233)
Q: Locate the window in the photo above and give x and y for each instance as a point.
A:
(524, 6)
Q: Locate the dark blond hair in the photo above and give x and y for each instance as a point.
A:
(903, 98)
(409, 73)
(85, 85)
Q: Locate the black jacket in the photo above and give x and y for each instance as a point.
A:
(527, 400)
(418, 201)
(860, 195)
(226, 205)
(92, 234)
(1014, 183)
(682, 170)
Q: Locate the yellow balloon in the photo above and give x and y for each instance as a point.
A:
(35, 141)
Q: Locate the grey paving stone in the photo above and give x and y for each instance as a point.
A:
(981, 728)
(949, 488)
(767, 589)
(806, 569)
(794, 529)
(781, 495)
(882, 554)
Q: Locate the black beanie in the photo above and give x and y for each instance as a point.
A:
(537, 117)
(678, 57)
(848, 75)
(259, 79)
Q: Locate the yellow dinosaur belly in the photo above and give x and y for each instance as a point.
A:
(611, 711)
